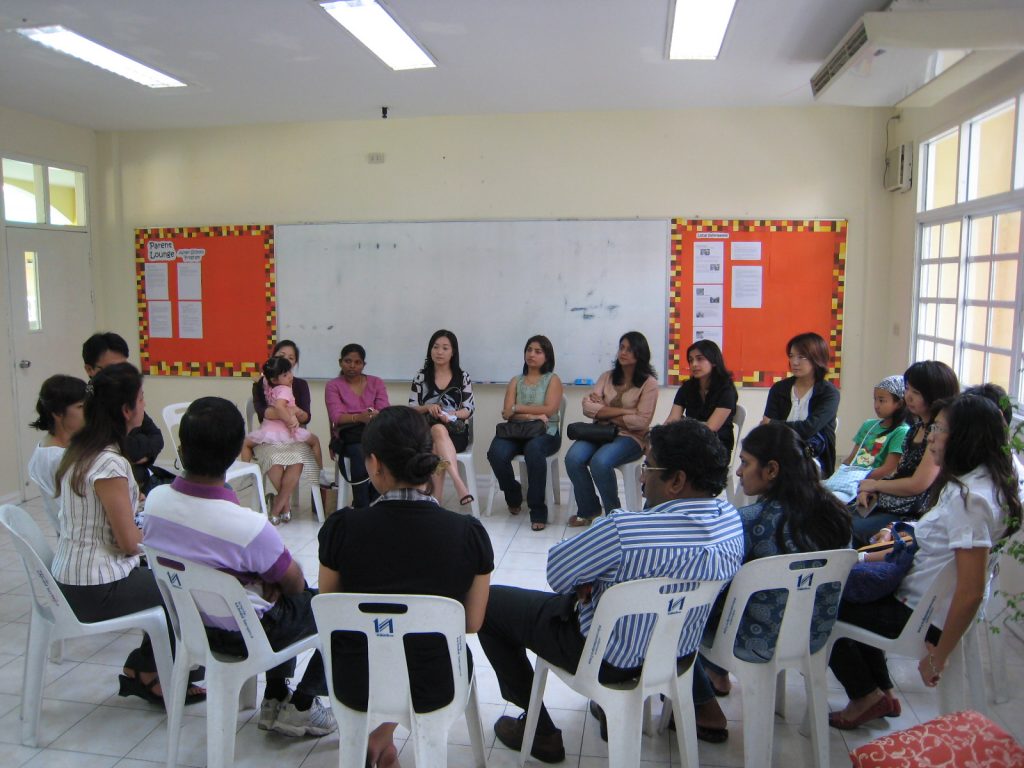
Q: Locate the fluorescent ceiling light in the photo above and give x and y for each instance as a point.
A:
(67, 42)
(373, 27)
(698, 28)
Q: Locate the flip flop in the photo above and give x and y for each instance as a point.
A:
(467, 499)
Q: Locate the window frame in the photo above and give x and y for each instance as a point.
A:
(44, 175)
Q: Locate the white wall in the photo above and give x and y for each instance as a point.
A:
(32, 138)
(771, 163)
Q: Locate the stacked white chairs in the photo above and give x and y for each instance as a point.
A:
(229, 679)
(802, 575)
(670, 601)
(553, 490)
(53, 619)
(386, 620)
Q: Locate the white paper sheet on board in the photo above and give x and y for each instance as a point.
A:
(746, 287)
(708, 262)
(711, 333)
(190, 282)
(160, 319)
(707, 305)
(746, 251)
(190, 319)
(156, 281)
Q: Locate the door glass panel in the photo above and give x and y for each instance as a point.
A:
(35, 314)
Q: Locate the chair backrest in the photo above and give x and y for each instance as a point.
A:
(51, 506)
(250, 414)
(37, 558)
(173, 414)
(803, 575)
(937, 595)
(671, 602)
(561, 415)
(385, 620)
(738, 420)
(189, 588)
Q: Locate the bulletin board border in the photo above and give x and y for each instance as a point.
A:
(677, 285)
(221, 368)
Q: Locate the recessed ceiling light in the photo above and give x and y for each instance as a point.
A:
(67, 42)
(698, 28)
(374, 27)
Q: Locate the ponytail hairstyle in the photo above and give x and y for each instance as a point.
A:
(111, 390)
(399, 437)
(978, 436)
(642, 352)
(274, 367)
(815, 519)
(57, 394)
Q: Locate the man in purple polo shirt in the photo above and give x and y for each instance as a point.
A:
(196, 517)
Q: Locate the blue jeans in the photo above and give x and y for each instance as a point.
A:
(536, 452)
(362, 492)
(602, 461)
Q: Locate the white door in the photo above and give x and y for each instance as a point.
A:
(48, 326)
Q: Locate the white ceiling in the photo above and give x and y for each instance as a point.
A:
(256, 61)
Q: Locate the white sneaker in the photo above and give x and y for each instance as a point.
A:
(326, 477)
(268, 713)
(318, 720)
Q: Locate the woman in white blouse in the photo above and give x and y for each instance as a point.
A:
(60, 407)
(97, 559)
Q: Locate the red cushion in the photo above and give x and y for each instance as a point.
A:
(958, 740)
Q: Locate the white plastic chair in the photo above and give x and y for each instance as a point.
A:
(552, 490)
(52, 508)
(228, 678)
(624, 703)
(802, 575)
(239, 469)
(385, 620)
(632, 488)
(910, 643)
(465, 461)
(54, 620)
(733, 491)
(308, 484)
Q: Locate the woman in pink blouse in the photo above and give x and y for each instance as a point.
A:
(625, 396)
(352, 400)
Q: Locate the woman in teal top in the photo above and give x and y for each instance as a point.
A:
(536, 395)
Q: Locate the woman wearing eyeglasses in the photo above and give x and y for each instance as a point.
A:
(805, 401)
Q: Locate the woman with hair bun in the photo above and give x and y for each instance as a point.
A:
(404, 543)
(61, 409)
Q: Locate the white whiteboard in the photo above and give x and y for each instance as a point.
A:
(389, 286)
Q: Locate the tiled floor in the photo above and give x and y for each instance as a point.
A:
(85, 723)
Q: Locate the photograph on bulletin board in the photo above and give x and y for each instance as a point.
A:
(750, 286)
(207, 299)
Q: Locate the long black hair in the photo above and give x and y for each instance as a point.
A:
(933, 379)
(428, 363)
(399, 436)
(57, 394)
(720, 375)
(815, 518)
(549, 353)
(642, 352)
(978, 437)
(110, 391)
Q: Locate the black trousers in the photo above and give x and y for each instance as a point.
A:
(99, 602)
(290, 619)
(518, 620)
(861, 668)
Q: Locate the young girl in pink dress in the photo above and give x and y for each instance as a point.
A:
(277, 385)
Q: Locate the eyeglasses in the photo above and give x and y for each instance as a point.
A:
(797, 359)
(932, 428)
(645, 467)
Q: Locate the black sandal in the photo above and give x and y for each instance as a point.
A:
(133, 686)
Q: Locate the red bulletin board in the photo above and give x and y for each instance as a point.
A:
(802, 282)
(213, 310)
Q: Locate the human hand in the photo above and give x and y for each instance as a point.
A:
(583, 592)
(865, 499)
(931, 667)
(883, 535)
(868, 485)
(435, 410)
(595, 398)
(542, 417)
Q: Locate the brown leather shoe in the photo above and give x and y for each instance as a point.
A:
(547, 748)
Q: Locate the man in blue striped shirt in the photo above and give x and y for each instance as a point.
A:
(683, 533)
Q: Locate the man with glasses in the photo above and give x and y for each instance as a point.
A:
(684, 532)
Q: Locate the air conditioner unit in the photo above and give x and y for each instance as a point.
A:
(915, 58)
(899, 164)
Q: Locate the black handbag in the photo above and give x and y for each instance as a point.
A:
(346, 435)
(592, 431)
(525, 429)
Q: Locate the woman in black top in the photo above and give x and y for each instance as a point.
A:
(805, 401)
(403, 543)
(709, 394)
